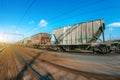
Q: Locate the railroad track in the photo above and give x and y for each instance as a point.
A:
(19, 63)
(27, 67)
(77, 74)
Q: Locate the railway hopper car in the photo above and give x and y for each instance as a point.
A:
(79, 36)
(40, 40)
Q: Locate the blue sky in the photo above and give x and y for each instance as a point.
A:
(29, 17)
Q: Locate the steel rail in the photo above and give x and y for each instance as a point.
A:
(27, 65)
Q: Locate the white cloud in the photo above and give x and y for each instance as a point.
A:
(43, 23)
(114, 24)
(31, 22)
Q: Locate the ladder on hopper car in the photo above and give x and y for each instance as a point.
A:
(57, 43)
(97, 34)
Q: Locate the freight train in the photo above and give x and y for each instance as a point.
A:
(81, 36)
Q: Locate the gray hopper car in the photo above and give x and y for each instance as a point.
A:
(79, 35)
